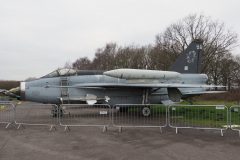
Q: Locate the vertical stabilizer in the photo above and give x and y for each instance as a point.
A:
(190, 60)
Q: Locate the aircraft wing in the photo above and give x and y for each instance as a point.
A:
(135, 85)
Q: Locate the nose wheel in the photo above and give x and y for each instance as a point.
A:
(146, 112)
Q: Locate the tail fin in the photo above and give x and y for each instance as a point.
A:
(190, 60)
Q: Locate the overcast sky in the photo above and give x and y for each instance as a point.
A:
(38, 36)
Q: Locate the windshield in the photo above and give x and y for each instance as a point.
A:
(71, 72)
(61, 73)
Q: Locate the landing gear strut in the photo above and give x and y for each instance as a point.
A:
(56, 111)
(145, 110)
(190, 100)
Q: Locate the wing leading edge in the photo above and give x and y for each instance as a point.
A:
(135, 85)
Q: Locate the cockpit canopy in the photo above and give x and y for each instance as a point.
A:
(63, 72)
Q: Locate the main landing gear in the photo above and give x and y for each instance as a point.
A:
(56, 111)
(146, 112)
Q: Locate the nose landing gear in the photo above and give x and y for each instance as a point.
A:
(56, 111)
(146, 112)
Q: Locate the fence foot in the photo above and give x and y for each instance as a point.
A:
(67, 128)
(120, 129)
(239, 133)
(104, 129)
(176, 130)
(51, 127)
(221, 132)
(8, 125)
(160, 129)
(19, 125)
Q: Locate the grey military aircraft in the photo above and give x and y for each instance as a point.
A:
(122, 86)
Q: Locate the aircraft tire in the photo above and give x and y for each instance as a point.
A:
(146, 112)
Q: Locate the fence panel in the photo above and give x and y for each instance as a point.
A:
(139, 115)
(7, 113)
(198, 117)
(83, 115)
(235, 118)
(36, 115)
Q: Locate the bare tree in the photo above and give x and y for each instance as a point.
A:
(82, 64)
(218, 41)
(218, 63)
(132, 57)
(104, 57)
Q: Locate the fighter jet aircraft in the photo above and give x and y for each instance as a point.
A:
(122, 86)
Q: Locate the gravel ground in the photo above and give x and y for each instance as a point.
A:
(90, 143)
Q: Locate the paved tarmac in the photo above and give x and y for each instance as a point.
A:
(89, 143)
(37, 143)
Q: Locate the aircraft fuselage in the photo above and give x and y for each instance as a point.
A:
(55, 90)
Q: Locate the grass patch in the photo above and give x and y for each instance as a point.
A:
(197, 116)
(2, 107)
(212, 102)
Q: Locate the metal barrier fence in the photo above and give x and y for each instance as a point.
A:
(235, 118)
(139, 115)
(36, 115)
(214, 117)
(83, 115)
(198, 117)
(7, 113)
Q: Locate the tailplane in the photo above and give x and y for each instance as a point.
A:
(190, 60)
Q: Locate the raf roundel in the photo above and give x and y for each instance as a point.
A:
(191, 56)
